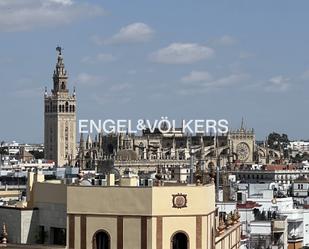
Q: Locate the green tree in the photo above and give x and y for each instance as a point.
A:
(279, 142)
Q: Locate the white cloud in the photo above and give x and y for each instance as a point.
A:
(99, 58)
(225, 40)
(133, 33)
(64, 2)
(122, 92)
(21, 15)
(245, 55)
(230, 80)
(197, 76)
(120, 87)
(305, 75)
(200, 86)
(86, 79)
(278, 84)
(182, 53)
(28, 93)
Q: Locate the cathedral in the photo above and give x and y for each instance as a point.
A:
(152, 150)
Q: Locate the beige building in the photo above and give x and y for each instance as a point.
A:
(60, 118)
(121, 217)
(160, 217)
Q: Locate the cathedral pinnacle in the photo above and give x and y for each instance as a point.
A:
(242, 127)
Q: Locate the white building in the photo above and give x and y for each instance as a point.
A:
(284, 207)
(299, 147)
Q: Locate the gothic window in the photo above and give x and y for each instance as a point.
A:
(110, 148)
(60, 108)
(63, 86)
(73, 108)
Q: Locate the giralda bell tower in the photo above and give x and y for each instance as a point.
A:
(60, 118)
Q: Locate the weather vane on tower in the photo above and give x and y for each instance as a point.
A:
(59, 49)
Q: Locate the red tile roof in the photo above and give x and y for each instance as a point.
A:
(273, 167)
(248, 205)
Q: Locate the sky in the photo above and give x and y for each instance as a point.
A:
(200, 59)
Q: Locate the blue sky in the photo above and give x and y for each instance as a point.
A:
(146, 59)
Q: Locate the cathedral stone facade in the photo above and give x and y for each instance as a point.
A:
(243, 144)
(167, 150)
(60, 118)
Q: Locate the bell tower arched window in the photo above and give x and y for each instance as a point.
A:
(66, 107)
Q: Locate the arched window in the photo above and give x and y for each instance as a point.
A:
(66, 107)
(63, 86)
(101, 240)
(180, 241)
